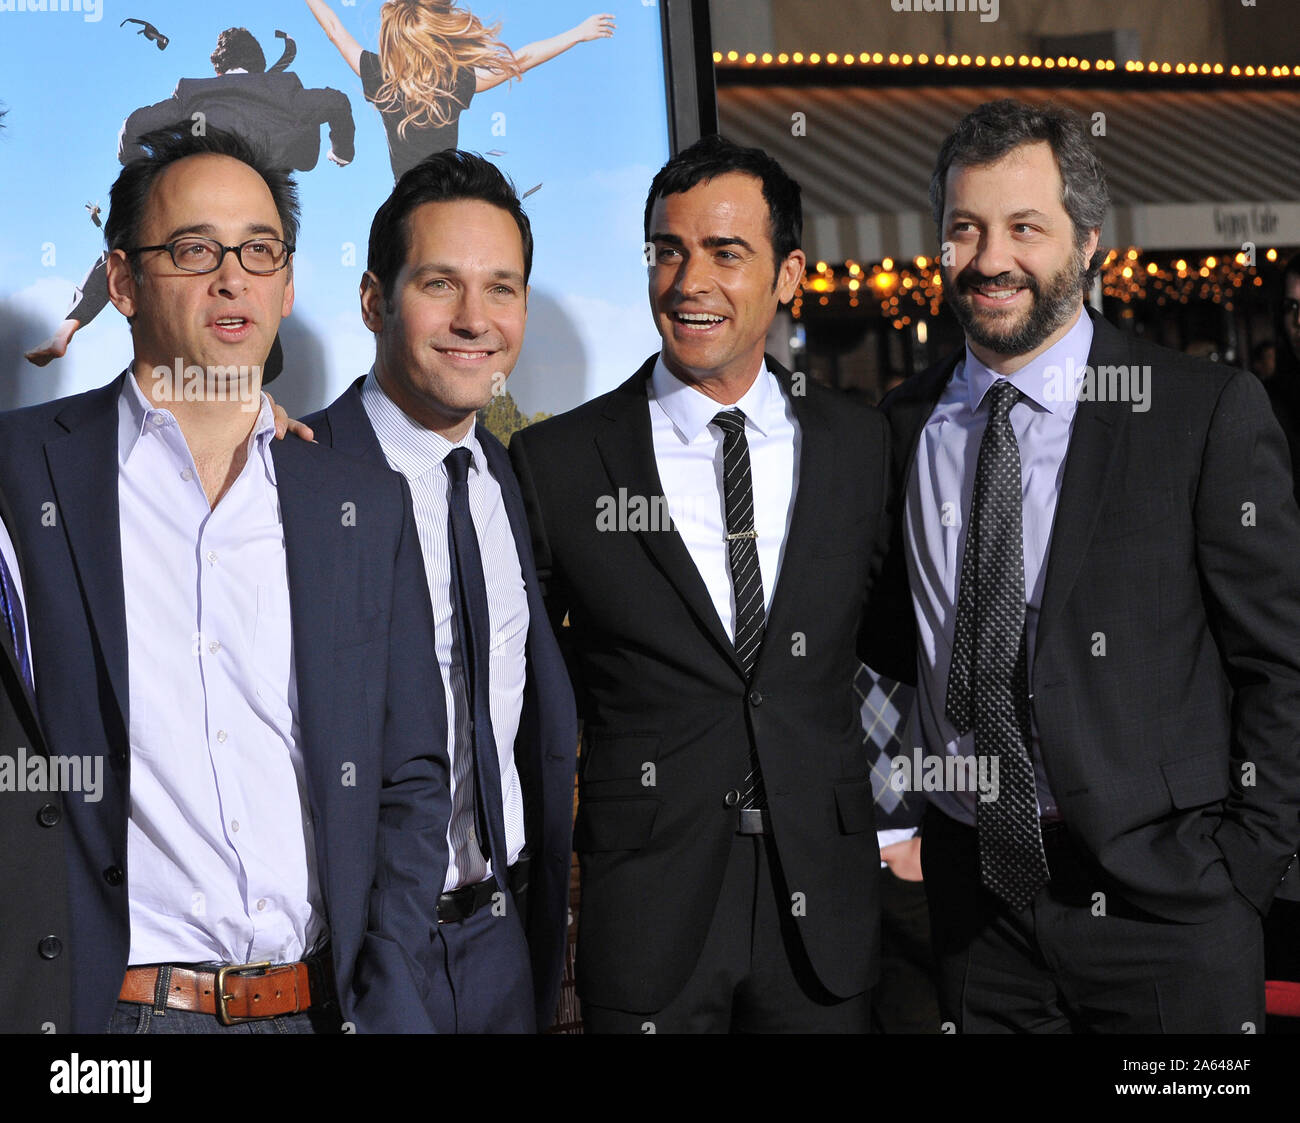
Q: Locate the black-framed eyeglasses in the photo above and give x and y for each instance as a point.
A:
(194, 254)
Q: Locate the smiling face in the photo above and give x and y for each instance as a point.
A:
(225, 318)
(1016, 279)
(711, 284)
(450, 332)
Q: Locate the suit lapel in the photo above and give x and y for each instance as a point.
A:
(626, 448)
(350, 428)
(814, 505)
(313, 567)
(1088, 463)
(83, 469)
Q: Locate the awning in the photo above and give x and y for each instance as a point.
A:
(1187, 169)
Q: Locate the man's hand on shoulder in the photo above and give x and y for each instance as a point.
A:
(284, 424)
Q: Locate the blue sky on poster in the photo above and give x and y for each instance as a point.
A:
(588, 125)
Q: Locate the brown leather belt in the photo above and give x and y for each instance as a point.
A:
(242, 992)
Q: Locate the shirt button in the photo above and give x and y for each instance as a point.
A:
(234, 825)
(158, 419)
(186, 475)
(261, 904)
(214, 646)
(212, 557)
(221, 736)
(471, 834)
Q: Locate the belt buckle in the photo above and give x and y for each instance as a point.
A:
(225, 1018)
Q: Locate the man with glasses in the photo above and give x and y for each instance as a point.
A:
(232, 633)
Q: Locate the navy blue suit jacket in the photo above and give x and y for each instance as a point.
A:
(377, 778)
(546, 747)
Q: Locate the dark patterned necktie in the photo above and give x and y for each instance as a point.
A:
(746, 577)
(469, 599)
(12, 609)
(988, 682)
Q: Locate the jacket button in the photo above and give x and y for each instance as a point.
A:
(51, 947)
(755, 698)
(48, 815)
(731, 798)
(113, 875)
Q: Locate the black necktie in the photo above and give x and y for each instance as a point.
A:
(746, 576)
(12, 609)
(988, 682)
(469, 600)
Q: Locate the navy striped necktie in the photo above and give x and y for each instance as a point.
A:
(12, 608)
(469, 599)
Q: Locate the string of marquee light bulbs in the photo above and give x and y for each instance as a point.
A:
(750, 59)
(910, 290)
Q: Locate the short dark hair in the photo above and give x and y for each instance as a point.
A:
(989, 132)
(444, 177)
(237, 49)
(715, 155)
(163, 147)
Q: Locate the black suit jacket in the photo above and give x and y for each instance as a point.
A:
(272, 110)
(669, 715)
(547, 742)
(35, 975)
(377, 780)
(1175, 756)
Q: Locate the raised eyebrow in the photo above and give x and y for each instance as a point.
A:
(429, 268)
(716, 241)
(719, 241)
(207, 230)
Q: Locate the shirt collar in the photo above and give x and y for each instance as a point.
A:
(690, 411)
(1051, 380)
(410, 448)
(135, 417)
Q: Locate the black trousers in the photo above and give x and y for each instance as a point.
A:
(1079, 958)
(906, 1000)
(752, 975)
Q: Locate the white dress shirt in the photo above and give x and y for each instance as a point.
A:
(418, 453)
(938, 502)
(688, 453)
(220, 847)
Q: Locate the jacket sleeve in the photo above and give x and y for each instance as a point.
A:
(1247, 543)
(391, 985)
(887, 638)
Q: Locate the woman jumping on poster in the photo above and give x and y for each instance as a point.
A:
(433, 58)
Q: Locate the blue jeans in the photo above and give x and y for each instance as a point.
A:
(134, 1017)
